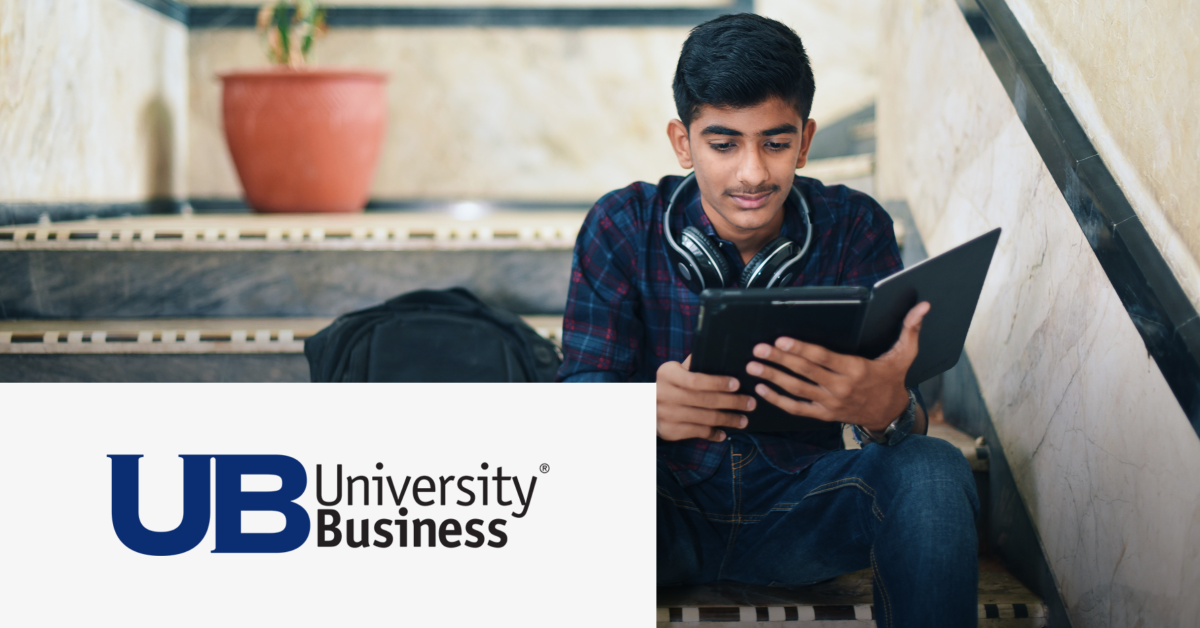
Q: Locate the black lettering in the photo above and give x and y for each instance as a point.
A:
(473, 530)
(483, 480)
(403, 525)
(366, 491)
(417, 523)
(378, 490)
(501, 537)
(465, 478)
(523, 498)
(445, 480)
(450, 529)
(364, 541)
(500, 487)
(339, 488)
(417, 490)
(403, 489)
(382, 531)
(327, 521)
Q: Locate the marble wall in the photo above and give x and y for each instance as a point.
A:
(525, 114)
(93, 100)
(1131, 73)
(1101, 452)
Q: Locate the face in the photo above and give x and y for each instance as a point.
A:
(745, 160)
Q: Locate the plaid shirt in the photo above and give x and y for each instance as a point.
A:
(627, 313)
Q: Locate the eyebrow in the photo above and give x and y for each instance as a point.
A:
(716, 129)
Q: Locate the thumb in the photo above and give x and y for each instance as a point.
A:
(906, 346)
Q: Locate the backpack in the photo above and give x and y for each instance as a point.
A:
(431, 336)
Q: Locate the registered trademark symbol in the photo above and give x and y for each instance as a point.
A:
(545, 468)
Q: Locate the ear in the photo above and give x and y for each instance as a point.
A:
(677, 133)
(810, 129)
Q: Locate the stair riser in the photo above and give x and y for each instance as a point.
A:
(154, 368)
(129, 284)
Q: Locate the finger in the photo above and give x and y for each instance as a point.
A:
(687, 362)
(798, 364)
(826, 359)
(908, 343)
(681, 431)
(793, 406)
(708, 400)
(677, 374)
(793, 385)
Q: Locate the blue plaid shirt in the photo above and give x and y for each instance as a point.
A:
(627, 313)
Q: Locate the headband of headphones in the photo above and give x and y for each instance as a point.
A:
(701, 265)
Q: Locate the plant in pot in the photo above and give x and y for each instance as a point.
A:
(303, 139)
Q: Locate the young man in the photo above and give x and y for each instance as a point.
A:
(769, 508)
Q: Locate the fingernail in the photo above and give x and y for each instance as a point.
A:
(744, 422)
(720, 436)
(785, 343)
(733, 384)
(762, 351)
(761, 389)
(754, 368)
(751, 403)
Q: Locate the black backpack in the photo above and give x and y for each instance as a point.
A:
(431, 336)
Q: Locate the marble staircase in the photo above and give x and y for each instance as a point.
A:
(231, 297)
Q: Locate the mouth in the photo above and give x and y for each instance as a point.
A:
(751, 201)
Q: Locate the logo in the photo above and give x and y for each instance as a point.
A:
(371, 522)
(230, 503)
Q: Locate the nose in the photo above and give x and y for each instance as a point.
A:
(752, 171)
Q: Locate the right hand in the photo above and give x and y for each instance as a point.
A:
(695, 405)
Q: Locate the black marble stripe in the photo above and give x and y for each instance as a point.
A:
(30, 213)
(1020, 611)
(231, 16)
(173, 9)
(720, 613)
(1150, 292)
(833, 613)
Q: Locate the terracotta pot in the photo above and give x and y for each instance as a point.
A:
(305, 140)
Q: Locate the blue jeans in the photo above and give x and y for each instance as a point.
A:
(907, 512)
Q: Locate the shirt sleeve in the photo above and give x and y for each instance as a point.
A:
(602, 326)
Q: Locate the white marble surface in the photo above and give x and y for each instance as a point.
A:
(1131, 73)
(92, 102)
(490, 3)
(841, 38)
(1101, 451)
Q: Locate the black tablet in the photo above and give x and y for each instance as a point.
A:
(852, 320)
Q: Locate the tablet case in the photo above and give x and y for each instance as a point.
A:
(851, 320)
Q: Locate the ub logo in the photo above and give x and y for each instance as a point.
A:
(231, 501)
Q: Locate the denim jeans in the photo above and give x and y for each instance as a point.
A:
(906, 511)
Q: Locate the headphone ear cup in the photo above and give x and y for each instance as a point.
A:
(759, 269)
(711, 261)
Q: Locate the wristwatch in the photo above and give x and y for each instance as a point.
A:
(909, 414)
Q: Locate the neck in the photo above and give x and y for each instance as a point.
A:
(748, 241)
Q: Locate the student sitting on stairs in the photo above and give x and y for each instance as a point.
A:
(769, 508)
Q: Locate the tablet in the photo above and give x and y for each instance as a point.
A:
(853, 320)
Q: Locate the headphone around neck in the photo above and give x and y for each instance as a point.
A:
(702, 265)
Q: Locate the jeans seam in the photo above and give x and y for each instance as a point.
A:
(887, 602)
(851, 481)
(731, 518)
(737, 509)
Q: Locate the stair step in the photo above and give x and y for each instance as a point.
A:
(1003, 601)
(170, 350)
(248, 265)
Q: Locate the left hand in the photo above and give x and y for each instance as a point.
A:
(844, 388)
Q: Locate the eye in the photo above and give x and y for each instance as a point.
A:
(778, 146)
(723, 146)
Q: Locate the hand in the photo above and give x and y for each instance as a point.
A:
(695, 405)
(844, 388)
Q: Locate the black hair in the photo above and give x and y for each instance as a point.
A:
(741, 60)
